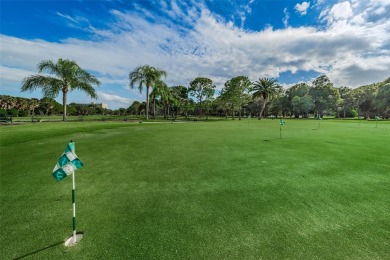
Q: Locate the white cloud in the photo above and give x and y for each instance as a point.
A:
(286, 17)
(380, 10)
(358, 20)
(8, 74)
(347, 48)
(75, 22)
(108, 98)
(118, 81)
(67, 17)
(243, 10)
(340, 11)
(302, 8)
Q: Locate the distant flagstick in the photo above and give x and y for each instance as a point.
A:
(281, 123)
(376, 121)
(68, 164)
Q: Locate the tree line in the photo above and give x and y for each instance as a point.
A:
(19, 106)
(262, 98)
(239, 97)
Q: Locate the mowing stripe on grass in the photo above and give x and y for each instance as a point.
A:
(205, 191)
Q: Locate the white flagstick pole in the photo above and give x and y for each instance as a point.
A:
(72, 240)
(280, 130)
(74, 207)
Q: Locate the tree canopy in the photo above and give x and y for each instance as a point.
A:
(67, 76)
(146, 76)
(202, 89)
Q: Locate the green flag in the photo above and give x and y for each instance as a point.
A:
(68, 163)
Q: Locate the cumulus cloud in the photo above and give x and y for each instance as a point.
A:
(340, 11)
(346, 48)
(302, 8)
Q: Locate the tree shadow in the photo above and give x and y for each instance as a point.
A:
(39, 250)
(271, 139)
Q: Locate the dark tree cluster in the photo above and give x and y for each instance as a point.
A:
(266, 98)
(239, 97)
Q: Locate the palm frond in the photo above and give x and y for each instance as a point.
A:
(84, 76)
(50, 85)
(48, 66)
(87, 88)
(137, 76)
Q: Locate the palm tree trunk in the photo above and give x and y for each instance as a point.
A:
(154, 107)
(147, 102)
(64, 104)
(263, 108)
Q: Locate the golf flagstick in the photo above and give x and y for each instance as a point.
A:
(67, 164)
(280, 132)
(281, 123)
(74, 206)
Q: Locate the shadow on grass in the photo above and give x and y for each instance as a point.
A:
(271, 139)
(39, 250)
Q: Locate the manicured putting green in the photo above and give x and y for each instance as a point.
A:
(199, 190)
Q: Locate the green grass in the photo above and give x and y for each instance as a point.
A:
(199, 190)
(43, 118)
(13, 134)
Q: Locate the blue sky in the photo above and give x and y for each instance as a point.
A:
(293, 41)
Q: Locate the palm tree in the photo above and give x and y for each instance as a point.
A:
(8, 102)
(160, 91)
(153, 97)
(32, 104)
(265, 88)
(67, 76)
(146, 76)
(21, 104)
(166, 99)
(47, 104)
